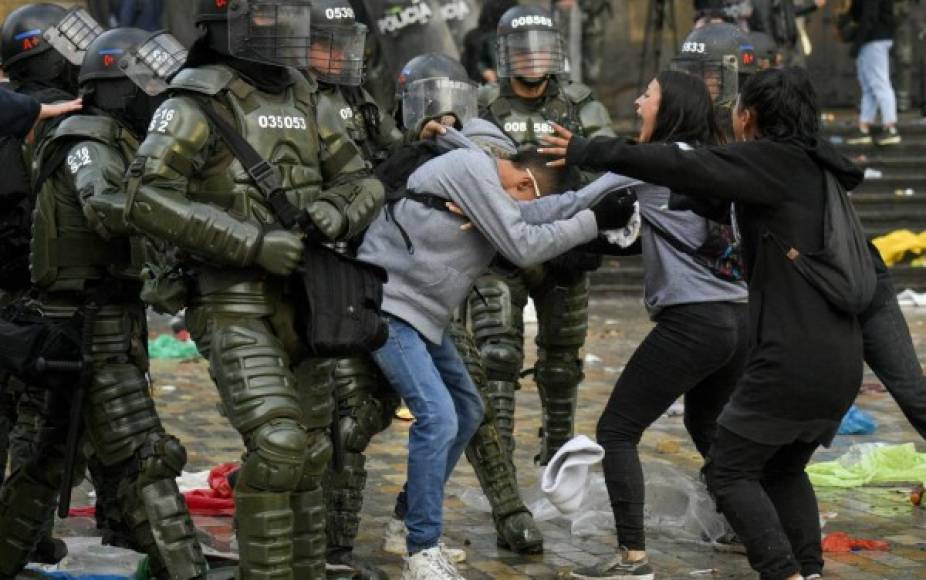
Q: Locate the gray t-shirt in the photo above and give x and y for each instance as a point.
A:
(671, 277)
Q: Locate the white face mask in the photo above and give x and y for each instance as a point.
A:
(533, 182)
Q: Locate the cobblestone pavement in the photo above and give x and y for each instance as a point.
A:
(187, 403)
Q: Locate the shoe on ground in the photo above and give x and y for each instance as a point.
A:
(617, 568)
(519, 533)
(888, 136)
(859, 138)
(394, 542)
(49, 551)
(344, 558)
(430, 564)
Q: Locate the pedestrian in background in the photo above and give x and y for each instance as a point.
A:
(871, 47)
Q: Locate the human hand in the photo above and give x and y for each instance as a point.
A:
(431, 130)
(559, 143)
(327, 218)
(490, 76)
(455, 209)
(58, 109)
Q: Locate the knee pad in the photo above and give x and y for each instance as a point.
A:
(317, 454)
(161, 456)
(502, 360)
(276, 457)
(558, 372)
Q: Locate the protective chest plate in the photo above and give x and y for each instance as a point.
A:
(526, 123)
(333, 109)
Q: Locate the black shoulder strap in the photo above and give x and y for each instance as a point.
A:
(265, 176)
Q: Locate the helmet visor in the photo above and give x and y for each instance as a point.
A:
(73, 34)
(720, 76)
(270, 32)
(531, 54)
(154, 62)
(336, 54)
(435, 97)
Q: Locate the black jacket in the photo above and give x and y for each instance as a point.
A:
(805, 366)
(875, 20)
(18, 113)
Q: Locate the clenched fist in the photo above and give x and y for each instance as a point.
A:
(280, 252)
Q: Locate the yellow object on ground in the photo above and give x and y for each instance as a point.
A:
(897, 244)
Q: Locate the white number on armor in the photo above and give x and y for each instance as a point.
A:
(697, 47)
(515, 126)
(281, 122)
(347, 113)
(338, 13)
(161, 120)
(534, 20)
(77, 159)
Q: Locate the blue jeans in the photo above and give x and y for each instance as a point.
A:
(434, 383)
(874, 76)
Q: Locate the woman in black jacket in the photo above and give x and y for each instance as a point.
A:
(806, 362)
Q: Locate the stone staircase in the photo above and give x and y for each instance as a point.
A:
(892, 197)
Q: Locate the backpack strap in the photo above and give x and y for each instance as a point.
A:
(429, 200)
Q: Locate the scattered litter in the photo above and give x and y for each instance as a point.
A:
(916, 495)
(904, 192)
(404, 414)
(869, 463)
(705, 572)
(167, 388)
(591, 359)
(843, 542)
(89, 559)
(911, 298)
(857, 422)
(895, 245)
(167, 346)
(871, 173)
(565, 479)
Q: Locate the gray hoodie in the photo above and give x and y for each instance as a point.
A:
(427, 284)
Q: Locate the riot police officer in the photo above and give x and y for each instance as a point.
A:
(189, 189)
(83, 262)
(40, 69)
(722, 55)
(349, 119)
(529, 96)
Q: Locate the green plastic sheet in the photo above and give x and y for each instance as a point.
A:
(167, 346)
(871, 463)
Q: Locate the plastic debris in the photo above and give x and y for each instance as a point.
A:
(89, 559)
(166, 346)
(591, 359)
(911, 298)
(871, 173)
(843, 542)
(871, 463)
(895, 245)
(677, 506)
(857, 422)
(904, 192)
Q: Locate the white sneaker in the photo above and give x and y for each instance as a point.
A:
(394, 542)
(430, 564)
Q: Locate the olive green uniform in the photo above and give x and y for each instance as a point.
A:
(80, 244)
(559, 291)
(188, 189)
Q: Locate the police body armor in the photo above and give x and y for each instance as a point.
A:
(559, 287)
(361, 117)
(77, 250)
(241, 316)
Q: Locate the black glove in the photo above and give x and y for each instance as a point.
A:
(615, 210)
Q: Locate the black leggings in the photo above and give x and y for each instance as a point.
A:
(767, 498)
(696, 350)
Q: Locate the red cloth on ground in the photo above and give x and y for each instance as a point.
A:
(843, 542)
(218, 500)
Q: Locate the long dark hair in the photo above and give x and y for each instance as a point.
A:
(785, 105)
(686, 112)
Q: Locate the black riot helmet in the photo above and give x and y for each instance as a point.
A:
(530, 47)
(721, 54)
(336, 54)
(768, 54)
(274, 32)
(23, 31)
(105, 81)
(432, 86)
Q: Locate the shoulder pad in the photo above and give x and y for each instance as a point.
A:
(208, 80)
(488, 94)
(98, 128)
(577, 92)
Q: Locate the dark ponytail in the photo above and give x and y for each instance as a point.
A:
(785, 105)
